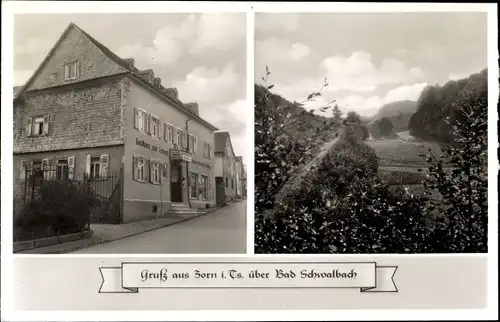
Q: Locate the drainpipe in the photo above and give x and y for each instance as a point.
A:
(188, 178)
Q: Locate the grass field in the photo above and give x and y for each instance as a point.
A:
(402, 153)
(400, 159)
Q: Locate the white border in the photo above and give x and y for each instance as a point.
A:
(186, 7)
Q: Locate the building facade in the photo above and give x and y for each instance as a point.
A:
(86, 112)
(225, 167)
(238, 175)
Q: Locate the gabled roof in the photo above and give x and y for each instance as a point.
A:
(220, 138)
(106, 51)
(125, 63)
(17, 89)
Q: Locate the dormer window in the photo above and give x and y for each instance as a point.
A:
(71, 71)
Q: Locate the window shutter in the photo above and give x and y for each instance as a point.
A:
(104, 165)
(46, 121)
(136, 118)
(45, 164)
(149, 167)
(87, 165)
(160, 171)
(165, 170)
(184, 139)
(50, 169)
(29, 126)
(165, 134)
(22, 170)
(148, 123)
(71, 168)
(134, 168)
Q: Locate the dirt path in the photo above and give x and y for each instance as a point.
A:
(301, 172)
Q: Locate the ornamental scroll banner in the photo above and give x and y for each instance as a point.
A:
(132, 276)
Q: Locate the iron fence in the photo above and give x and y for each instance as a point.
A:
(101, 187)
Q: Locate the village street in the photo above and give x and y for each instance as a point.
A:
(219, 232)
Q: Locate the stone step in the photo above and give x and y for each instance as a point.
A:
(184, 214)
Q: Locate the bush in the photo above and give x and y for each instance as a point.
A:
(401, 177)
(342, 207)
(59, 207)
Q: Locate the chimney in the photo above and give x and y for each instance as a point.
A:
(193, 107)
(130, 62)
(157, 82)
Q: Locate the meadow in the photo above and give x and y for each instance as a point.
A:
(401, 158)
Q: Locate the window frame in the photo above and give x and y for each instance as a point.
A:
(58, 172)
(204, 179)
(155, 121)
(140, 165)
(155, 167)
(92, 168)
(67, 66)
(169, 133)
(193, 184)
(141, 120)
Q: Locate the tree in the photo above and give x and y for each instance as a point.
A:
(437, 103)
(385, 126)
(337, 113)
(353, 117)
(285, 138)
(463, 226)
(366, 133)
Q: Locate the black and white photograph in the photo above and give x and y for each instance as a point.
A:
(371, 133)
(130, 133)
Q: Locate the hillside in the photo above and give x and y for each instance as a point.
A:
(395, 109)
(302, 123)
(398, 112)
(436, 103)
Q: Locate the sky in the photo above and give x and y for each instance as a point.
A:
(202, 55)
(369, 59)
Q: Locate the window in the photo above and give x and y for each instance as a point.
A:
(71, 71)
(192, 143)
(232, 183)
(38, 126)
(169, 133)
(227, 185)
(140, 119)
(177, 138)
(184, 141)
(193, 186)
(95, 167)
(62, 170)
(155, 172)
(207, 150)
(155, 126)
(36, 170)
(139, 174)
(204, 187)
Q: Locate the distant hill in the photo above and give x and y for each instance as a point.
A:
(437, 103)
(398, 112)
(396, 109)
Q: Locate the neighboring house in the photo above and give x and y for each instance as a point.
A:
(239, 182)
(88, 113)
(244, 182)
(225, 167)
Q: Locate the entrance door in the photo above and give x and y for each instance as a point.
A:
(176, 182)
